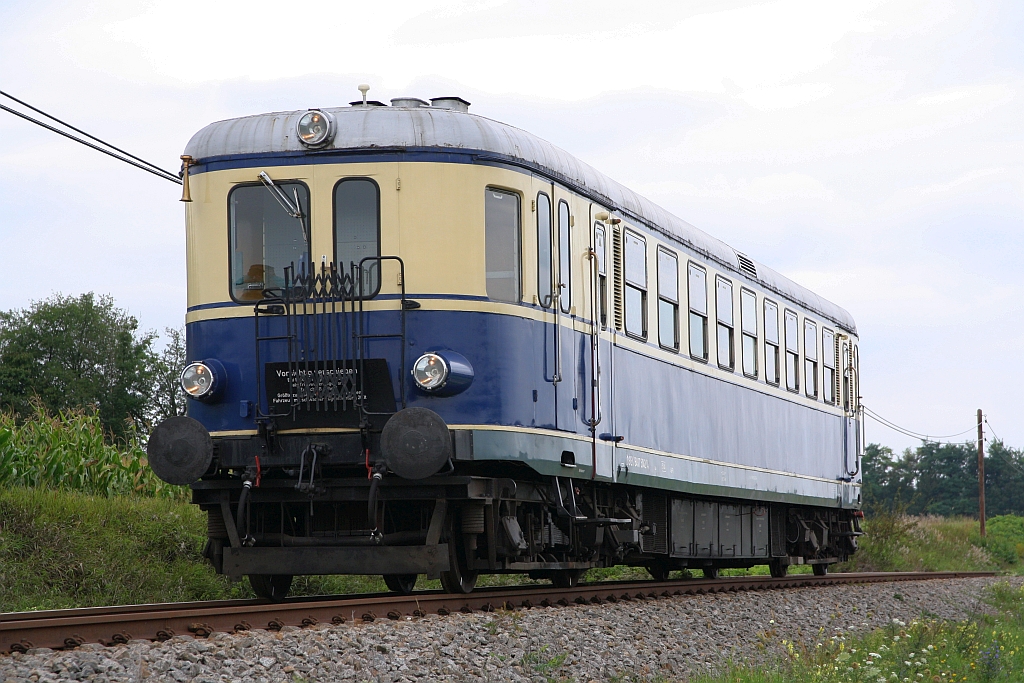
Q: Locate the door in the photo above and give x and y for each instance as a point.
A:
(566, 346)
(595, 413)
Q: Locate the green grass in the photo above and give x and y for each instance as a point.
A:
(984, 649)
(897, 542)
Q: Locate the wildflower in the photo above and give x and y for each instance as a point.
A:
(875, 654)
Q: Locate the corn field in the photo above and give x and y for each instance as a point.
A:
(68, 452)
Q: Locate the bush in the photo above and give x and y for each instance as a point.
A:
(69, 452)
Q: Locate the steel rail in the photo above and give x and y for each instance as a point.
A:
(21, 631)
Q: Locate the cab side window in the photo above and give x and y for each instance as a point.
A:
(265, 238)
(357, 231)
(501, 239)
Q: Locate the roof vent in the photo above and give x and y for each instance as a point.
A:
(746, 265)
(368, 103)
(409, 102)
(453, 103)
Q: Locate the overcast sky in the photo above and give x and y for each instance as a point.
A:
(870, 150)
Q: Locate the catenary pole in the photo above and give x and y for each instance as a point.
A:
(981, 473)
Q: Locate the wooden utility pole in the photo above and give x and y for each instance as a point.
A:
(981, 474)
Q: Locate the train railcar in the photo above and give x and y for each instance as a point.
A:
(423, 342)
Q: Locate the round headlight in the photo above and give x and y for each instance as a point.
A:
(430, 372)
(315, 128)
(198, 380)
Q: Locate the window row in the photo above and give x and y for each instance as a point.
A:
(782, 361)
(269, 232)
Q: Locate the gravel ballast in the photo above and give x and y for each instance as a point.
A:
(673, 638)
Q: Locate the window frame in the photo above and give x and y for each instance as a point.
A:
(334, 229)
(691, 311)
(545, 298)
(674, 304)
(776, 345)
(306, 228)
(785, 339)
(826, 359)
(519, 242)
(720, 323)
(743, 333)
(565, 258)
(602, 271)
(626, 285)
(811, 385)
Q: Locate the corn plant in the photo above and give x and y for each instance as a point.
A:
(68, 451)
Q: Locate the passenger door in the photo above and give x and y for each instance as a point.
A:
(566, 352)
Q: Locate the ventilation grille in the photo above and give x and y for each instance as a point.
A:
(746, 265)
(617, 266)
(654, 510)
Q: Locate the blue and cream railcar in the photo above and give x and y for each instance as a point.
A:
(425, 342)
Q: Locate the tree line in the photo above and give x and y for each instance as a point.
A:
(942, 479)
(73, 353)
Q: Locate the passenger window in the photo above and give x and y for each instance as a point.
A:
(724, 313)
(697, 279)
(636, 285)
(668, 300)
(564, 256)
(501, 239)
(771, 342)
(811, 358)
(828, 361)
(602, 271)
(792, 352)
(545, 284)
(265, 238)
(748, 323)
(357, 231)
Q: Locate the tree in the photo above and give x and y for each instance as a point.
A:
(73, 352)
(888, 481)
(168, 396)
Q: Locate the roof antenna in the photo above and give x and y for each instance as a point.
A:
(363, 88)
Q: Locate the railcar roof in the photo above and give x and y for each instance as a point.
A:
(382, 128)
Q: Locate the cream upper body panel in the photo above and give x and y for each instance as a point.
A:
(429, 128)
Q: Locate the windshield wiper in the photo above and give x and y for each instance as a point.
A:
(294, 209)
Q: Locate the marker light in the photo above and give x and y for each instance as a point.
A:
(315, 128)
(430, 372)
(203, 380)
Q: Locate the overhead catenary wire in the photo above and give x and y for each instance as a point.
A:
(102, 146)
(914, 435)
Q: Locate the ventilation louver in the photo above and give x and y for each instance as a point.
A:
(617, 268)
(746, 265)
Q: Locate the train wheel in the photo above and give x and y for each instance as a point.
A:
(273, 587)
(402, 584)
(658, 571)
(819, 569)
(710, 572)
(566, 578)
(778, 570)
(459, 578)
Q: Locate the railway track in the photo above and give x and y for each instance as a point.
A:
(21, 631)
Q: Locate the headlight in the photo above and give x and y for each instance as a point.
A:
(203, 380)
(315, 128)
(442, 373)
(430, 372)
